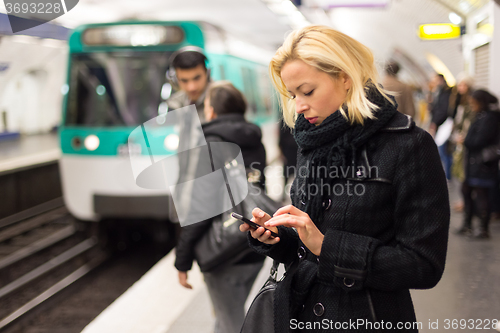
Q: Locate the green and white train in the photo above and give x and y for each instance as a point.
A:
(116, 81)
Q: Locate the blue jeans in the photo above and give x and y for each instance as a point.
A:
(229, 288)
(446, 158)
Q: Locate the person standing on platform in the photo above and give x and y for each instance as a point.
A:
(188, 74)
(370, 214)
(404, 96)
(439, 108)
(229, 284)
(480, 175)
(462, 119)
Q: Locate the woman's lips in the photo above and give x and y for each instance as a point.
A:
(312, 120)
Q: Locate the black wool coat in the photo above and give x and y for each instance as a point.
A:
(387, 235)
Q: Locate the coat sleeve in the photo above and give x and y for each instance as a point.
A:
(483, 133)
(285, 251)
(415, 257)
(184, 252)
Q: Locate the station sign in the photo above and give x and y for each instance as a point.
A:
(439, 31)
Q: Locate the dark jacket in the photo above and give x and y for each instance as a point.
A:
(385, 234)
(440, 105)
(484, 131)
(230, 128)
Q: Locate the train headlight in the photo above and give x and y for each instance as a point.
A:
(171, 142)
(91, 142)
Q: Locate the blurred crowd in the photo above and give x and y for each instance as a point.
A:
(465, 123)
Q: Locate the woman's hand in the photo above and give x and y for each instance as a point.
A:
(183, 276)
(261, 234)
(290, 216)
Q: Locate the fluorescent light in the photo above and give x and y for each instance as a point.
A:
(454, 18)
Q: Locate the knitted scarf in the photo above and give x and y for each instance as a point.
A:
(333, 144)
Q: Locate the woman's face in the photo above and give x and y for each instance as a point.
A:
(474, 105)
(462, 88)
(317, 95)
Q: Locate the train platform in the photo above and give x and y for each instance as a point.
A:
(158, 304)
(28, 150)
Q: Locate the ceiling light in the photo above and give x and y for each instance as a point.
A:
(454, 18)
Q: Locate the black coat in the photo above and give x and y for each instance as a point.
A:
(387, 236)
(439, 107)
(484, 131)
(229, 128)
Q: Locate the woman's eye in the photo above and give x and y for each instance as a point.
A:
(309, 93)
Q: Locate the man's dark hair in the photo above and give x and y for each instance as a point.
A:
(441, 76)
(484, 98)
(225, 98)
(392, 68)
(188, 60)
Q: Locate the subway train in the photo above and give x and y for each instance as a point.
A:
(116, 82)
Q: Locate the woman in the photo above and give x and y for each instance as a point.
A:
(230, 284)
(463, 117)
(370, 213)
(480, 176)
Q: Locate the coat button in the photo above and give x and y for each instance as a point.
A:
(359, 173)
(318, 309)
(472, 160)
(301, 252)
(349, 282)
(327, 204)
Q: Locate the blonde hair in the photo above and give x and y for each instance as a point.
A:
(332, 52)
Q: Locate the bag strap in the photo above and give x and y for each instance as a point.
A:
(274, 270)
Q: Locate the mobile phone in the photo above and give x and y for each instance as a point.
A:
(251, 223)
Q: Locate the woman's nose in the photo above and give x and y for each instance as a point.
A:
(300, 107)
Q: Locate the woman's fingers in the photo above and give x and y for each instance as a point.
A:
(290, 209)
(244, 227)
(264, 236)
(259, 216)
(286, 221)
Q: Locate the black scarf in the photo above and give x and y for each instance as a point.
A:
(332, 144)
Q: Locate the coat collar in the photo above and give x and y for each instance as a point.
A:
(399, 122)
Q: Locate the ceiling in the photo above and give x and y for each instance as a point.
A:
(395, 28)
(248, 19)
(387, 31)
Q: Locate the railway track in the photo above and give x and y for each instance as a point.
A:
(41, 254)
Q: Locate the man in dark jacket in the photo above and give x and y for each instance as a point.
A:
(439, 112)
(230, 283)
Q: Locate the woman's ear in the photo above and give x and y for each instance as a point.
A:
(210, 113)
(346, 80)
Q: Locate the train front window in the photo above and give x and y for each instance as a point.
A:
(115, 89)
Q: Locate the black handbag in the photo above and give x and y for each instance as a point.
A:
(260, 315)
(224, 244)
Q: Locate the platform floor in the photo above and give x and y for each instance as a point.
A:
(469, 289)
(28, 150)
